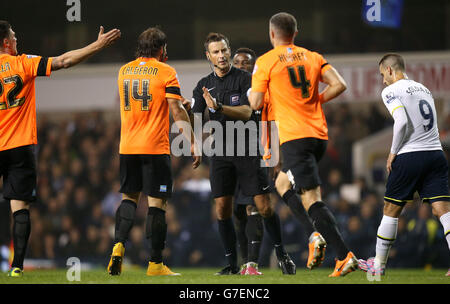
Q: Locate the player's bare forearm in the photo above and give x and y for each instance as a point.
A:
(186, 104)
(256, 100)
(180, 114)
(188, 107)
(331, 92)
(74, 57)
(239, 112)
(336, 85)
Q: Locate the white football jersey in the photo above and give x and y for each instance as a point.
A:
(422, 133)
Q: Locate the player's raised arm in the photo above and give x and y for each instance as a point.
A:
(336, 85)
(74, 57)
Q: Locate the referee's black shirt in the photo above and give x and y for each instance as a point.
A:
(230, 90)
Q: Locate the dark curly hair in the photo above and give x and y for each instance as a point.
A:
(4, 29)
(150, 42)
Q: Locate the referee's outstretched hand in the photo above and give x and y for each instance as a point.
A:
(210, 101)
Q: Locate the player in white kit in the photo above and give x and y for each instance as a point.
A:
(416, 161)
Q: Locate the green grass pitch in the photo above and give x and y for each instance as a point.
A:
(206, 276)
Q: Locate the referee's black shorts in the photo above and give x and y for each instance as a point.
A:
(226, 171)
(150, 174)
(300, 162)
(241, 199)
(18, 168)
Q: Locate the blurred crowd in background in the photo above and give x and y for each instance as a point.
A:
(331, 27)
(78, 183)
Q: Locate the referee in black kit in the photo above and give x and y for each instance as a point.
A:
(224, 94)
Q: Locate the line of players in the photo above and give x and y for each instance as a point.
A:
(287, 77)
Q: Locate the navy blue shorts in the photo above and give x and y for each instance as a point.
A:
(425, 172)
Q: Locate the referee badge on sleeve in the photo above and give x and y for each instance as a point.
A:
(234, 99)
(163, 188)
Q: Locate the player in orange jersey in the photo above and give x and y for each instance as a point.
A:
(18, 125)
(148, 88)
(291, 75)
(245, 58)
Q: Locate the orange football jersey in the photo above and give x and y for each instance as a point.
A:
(18, 99)
(144, 84)
(291, 75)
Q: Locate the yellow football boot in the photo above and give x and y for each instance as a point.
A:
(16, 272)
(159, 270)
(115, 263)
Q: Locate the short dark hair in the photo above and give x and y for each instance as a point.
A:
(246, 51)
(394, 60)
(4, 29)
(215, 37)
(150, 42)
(285, 23)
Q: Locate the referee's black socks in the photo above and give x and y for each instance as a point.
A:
(124, 220)
(273, 227)
(228, 238)
(325, 223)
(240, 224)
(21, 233)
(254, 231)
(156, 230)
(293, 201)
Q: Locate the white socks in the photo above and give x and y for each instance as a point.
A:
(386, 234)
(445, 221)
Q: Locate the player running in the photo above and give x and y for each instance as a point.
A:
(18, 133)
(416, 161)
(291, 75)
(148, 88)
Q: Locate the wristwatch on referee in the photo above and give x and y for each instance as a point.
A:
(219, 107)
